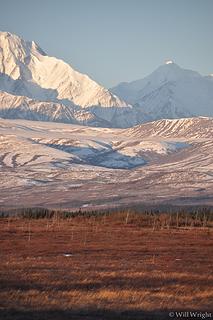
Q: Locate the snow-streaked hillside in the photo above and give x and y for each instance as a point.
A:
(110, 149)
(200, 127)
(44, 163)
(170, 92)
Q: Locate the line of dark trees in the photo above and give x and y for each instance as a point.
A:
(162, 216)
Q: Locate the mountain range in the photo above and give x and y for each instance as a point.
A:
(146, 141)
(35, 86)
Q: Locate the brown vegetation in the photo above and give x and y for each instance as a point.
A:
(116, 266)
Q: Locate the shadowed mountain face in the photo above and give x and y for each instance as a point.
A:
(22, 87)
(21, 107)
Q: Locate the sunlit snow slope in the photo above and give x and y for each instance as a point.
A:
(30, 72)
(25, 70)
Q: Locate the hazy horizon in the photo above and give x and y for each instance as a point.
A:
(115, 41)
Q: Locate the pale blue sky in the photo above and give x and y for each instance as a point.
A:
(116, 40)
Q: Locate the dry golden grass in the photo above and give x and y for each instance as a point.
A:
(115, 270)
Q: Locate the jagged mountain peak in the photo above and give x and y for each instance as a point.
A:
(169, 72)
(17, 45)
(47, 78)
(170, 92)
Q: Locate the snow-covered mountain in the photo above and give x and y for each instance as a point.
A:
(170, 92)
(34, 74)
(25, 70)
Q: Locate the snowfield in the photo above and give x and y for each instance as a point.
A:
(52, 164)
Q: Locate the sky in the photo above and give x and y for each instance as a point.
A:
(116, 40)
